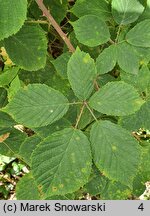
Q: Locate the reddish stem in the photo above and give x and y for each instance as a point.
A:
(55, 25)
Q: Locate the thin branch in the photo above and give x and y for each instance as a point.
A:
(111, 41)
(37, 21)
(139, 137)
(75, 103)
(118, 32)
(96, 85)
(90, 111)
(136, 136)
(47, 14)
(79, 116)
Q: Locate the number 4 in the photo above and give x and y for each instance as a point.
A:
(141, 207)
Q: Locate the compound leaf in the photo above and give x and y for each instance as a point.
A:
(116, 98)
(115, 152)
(95, 33)
(139, 35)
(12, 16)
(37, 105)
(62, 162)
(81, 74)
(126, 11)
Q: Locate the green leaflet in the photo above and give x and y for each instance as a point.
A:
(27, 189)
(3, 97)
(122, 54)
(8, 76)
(62, 162)
(14, 88)
(6, 121)
(140, 81)
(10, 146)
(116, 191)
(60, 64)
(45, 131)
(38, 76)
(115, 152)
(95, 7)
(95, 33)
(140, 119)
(37, 105)
(105, 188)
(97, 183)
(143, 175)
(28, 47)
(126, 11)
(81, 74)
(116, 98)
(27, 147)
(12, 16)
(139, 35)
(127, 58)
(106, 61)
(146, 13)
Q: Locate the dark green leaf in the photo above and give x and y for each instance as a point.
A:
(95, 33)
(139, 35)
(10, 146)
(127, 58)
(126, 11)
(27, 147)
(62, 162)
(8, 76)
(49, 129)
(61, 64)
(106, 61)
(37, 105)
(116, 98)
(140, 81)
(27, 189)
(81, 74)
(12, 16)
(99, 8)
(141, 119)
(115, 152)
(3, 97)
(28, 47)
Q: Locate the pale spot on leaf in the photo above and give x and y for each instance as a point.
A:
(114, 148)
(77, 138)
(54, 189)
(86, 59)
